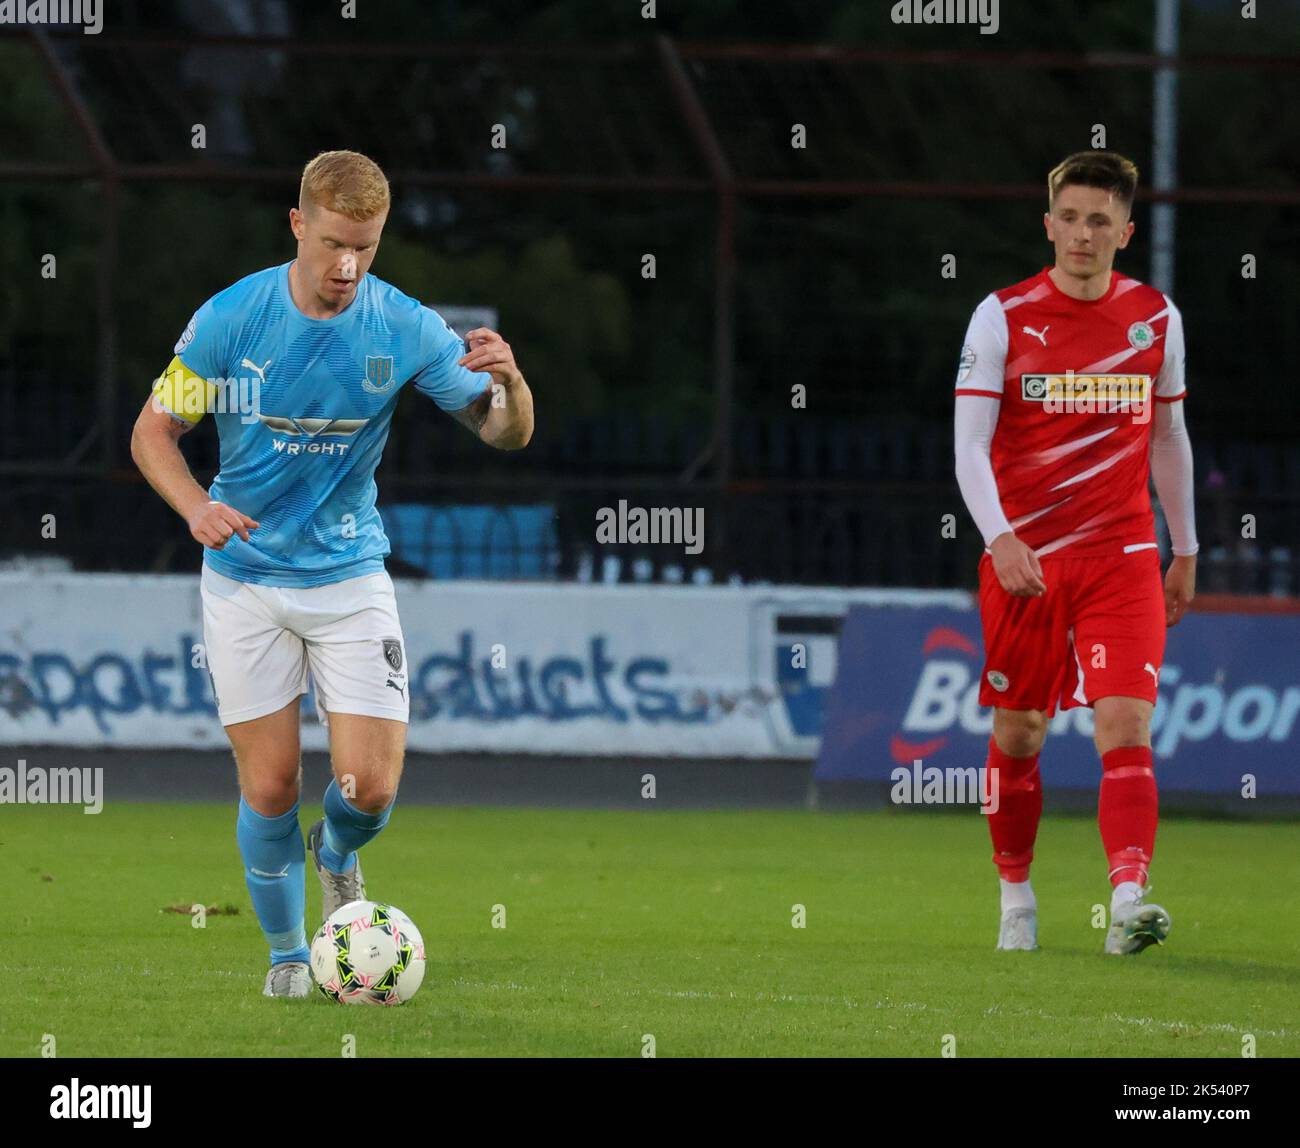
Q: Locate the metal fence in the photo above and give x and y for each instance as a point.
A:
(675, 147)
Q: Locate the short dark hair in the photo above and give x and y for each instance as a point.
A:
(1105, 169)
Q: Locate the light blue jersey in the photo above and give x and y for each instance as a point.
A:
(303, 408)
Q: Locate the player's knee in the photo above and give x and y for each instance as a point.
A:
(1122, 726)
(270, 786)
(376, 800)
(271, 796)
(1021, 743)
(371, 794)
(1019, 733)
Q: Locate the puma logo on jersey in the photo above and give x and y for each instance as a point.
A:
(261, 371)
(1041, 336)
(1155, 673)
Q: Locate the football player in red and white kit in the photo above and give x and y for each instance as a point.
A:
(1068, 395)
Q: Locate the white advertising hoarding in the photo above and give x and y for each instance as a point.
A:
(117, 660)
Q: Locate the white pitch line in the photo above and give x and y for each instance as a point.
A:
(907, 1006)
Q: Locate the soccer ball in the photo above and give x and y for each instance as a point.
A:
(368, 953)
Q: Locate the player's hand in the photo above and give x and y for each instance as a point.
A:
(1180, 587)
(1017, 567)
(488, 351)
(214, 523)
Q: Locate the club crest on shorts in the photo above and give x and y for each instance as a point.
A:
(379, 373)
(393, 653)
(998, 680)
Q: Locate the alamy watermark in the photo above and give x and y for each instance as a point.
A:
(77, 1101)
(981, 12)
(675, 525)
(36, 785)
(929, 785)
(188, 396)
(88, 13)
(1088, 394)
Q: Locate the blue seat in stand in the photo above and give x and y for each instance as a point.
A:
(474, 541)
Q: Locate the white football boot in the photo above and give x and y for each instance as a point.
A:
(288, 979)
(1135, 926)
(337, 889)
(1019, 930)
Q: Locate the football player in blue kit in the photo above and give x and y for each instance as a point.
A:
(302, 365)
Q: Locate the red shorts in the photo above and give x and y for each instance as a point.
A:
(1098, 632)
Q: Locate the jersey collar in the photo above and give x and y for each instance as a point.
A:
(1114, 282)
(293, 309)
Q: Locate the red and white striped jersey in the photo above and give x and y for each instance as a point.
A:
(1076, 380)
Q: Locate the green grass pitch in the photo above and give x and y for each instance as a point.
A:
(673, 924)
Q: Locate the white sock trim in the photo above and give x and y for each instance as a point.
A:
(1017, 895)
(1124, 893)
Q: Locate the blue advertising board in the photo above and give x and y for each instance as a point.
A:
(907, 689)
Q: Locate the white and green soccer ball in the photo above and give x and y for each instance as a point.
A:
(368, 953)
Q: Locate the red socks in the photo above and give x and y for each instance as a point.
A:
(1127, 812)
(1019, 806)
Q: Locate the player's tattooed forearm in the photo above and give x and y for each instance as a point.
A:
(475, 415)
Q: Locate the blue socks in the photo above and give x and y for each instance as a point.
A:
(346, 830)
(275, 864)
(274, 868)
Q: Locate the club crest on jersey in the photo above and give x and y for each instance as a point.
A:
(1141, 336)
(379, 374)
(393, 653)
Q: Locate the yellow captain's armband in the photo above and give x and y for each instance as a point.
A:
(183, 393)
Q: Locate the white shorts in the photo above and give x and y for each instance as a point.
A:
(262, 640)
